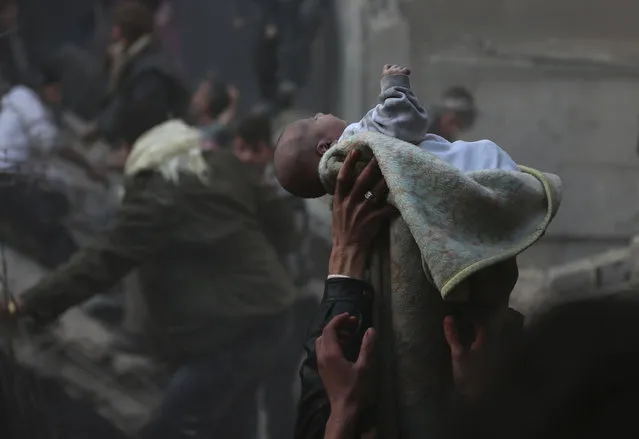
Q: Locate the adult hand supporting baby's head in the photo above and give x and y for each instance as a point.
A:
(394, 69)
(359, 213)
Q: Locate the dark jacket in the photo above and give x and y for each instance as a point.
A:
(147, 92)
(340, 296)
(208, 267)
(343, 295)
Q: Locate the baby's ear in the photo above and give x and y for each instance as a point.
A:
(323, 146)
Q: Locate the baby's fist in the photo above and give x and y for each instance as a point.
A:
(392, 69)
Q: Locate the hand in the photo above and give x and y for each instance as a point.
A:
(467, 364)
(349, 386)
(357, 220)
(392, 69)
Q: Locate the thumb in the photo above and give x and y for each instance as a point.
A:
(367, 349)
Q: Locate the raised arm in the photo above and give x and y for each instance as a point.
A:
(138, 232)
(356, 224)
(399, 113)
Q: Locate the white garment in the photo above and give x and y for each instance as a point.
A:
(170, 147)
(400, 115)
(465, 156)
(468, 156)
(28, 134)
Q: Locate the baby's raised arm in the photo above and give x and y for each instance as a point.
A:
(399, 113)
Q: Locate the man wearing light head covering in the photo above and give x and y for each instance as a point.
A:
(205, 233)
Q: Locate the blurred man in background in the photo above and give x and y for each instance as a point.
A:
(283, 52)
(143, 92)
(455, 114)
(142, 84)
(206, 244)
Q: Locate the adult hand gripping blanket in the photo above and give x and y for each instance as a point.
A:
(462, 223)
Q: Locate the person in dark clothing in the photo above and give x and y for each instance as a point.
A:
(456, 113)
(29, 139)
(571, 374)
(143, 85)
(345, 292)
(348, 303)
(283, 51)
(205, 233)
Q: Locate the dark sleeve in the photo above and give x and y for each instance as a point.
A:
(130, 113)
(341, 295)
(139, 230)
(277, 216)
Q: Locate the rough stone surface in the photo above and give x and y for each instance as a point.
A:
(576, 276)
(613, 268)
(606, 273)
(529, 293)
(633, 258)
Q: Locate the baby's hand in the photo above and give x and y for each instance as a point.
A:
(391, 69)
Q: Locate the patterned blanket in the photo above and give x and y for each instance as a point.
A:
(462, 223)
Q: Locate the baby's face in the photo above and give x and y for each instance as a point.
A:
(326, 127)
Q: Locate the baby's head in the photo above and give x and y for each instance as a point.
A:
(299, 150)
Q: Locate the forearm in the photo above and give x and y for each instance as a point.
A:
(342, 424)
(399, 113)
(86, 274)
(138, 231)
(340, 295)
(347, 262)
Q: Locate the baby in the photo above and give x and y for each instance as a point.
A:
(399, 114)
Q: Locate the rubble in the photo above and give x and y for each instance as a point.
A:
(612, 272)
(76, 353)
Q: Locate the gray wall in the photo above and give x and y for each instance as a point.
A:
(557, 87)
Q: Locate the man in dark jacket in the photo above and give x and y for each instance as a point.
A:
(143, 85)
(283, 53)
(205, 232)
